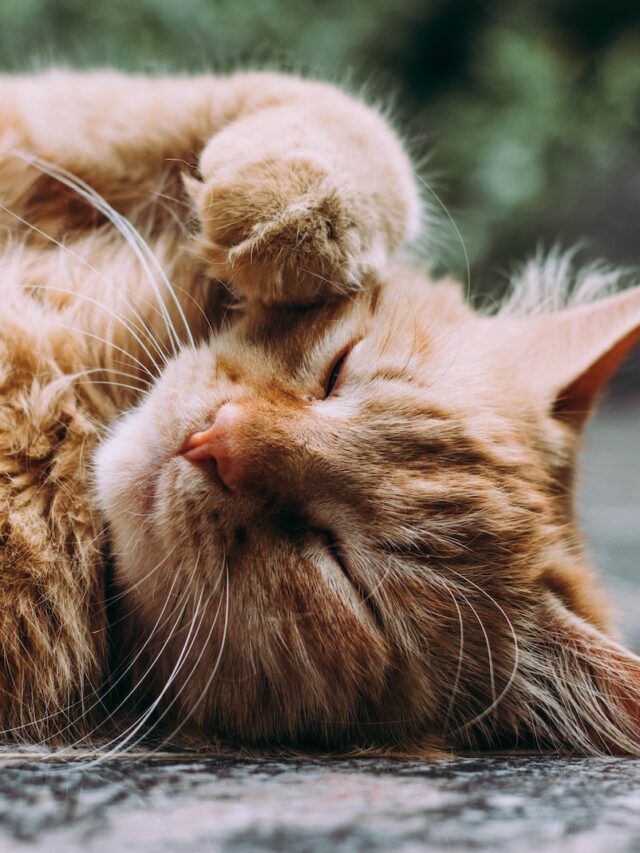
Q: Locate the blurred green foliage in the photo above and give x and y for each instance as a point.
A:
(530, 110)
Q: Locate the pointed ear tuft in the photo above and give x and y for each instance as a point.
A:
(573, 353)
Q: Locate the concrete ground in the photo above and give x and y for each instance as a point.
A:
(158, 803)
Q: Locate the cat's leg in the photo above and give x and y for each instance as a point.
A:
(304, 199)
(305, 190)
(128, 137)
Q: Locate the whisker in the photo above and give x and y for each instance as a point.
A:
(118, 743)
(456, 681)
(487, 643)
(340, 288)
(110, 370)
(148, 334)
(102, 340)
(452, 221)
(516, 648)
(99, 700)
(137, 243)
(216, 664)
(110, 384)
(130, 732)
(130, 587)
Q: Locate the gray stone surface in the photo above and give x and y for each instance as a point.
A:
(500, 804)
(517, 803)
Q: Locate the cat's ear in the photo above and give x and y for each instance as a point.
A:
(570, 355)
(582, 689)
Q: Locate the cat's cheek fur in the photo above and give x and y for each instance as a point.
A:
(129, 462)
(124, 484)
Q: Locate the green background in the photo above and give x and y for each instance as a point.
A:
(524, 114)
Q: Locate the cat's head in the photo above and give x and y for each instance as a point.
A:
(353, 524)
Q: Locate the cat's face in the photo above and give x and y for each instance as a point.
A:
(366, 527)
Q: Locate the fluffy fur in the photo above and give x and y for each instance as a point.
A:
(395, 561)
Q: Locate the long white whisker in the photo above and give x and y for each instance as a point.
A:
(122, 225)
(98, 701)
(456, 682)
(516, 653)
(112, 599)
(118, 743)
(216, 664)
(137, 243)
(492, 681)
(447, 213)
(147, 331)
(110, 370)
(124, 385)
(131, 731)
(102, 340)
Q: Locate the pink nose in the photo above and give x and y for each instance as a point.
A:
(219, 443)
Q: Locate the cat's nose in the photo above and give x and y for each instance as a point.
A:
(219, 444)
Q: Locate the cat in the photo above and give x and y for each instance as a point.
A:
(261, 477)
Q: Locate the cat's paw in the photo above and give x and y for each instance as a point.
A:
(287, 229)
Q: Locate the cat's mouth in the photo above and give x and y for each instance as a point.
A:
(341, 558)
(209, 468)
(337, 552)
(307, 533)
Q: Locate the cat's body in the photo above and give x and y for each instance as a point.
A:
(342, 516)
(133, 140)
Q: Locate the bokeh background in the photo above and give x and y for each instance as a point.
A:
(525, 115)
(529, 111)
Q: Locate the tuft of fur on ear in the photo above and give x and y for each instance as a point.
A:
(577, 690)
(552, 281)
(567, 345)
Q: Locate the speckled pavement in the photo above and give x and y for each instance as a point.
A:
(517, 803)
(501, 804)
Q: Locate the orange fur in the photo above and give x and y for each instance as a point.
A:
(401, 566)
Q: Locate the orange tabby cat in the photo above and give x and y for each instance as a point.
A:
(338, 502)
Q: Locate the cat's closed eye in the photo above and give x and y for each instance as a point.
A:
(334, 373)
